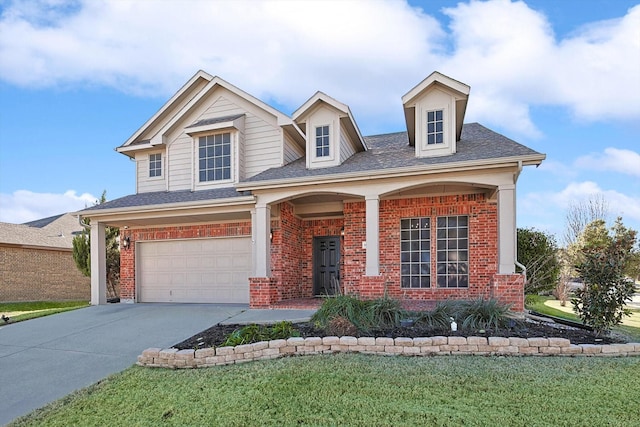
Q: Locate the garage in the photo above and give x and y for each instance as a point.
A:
(194, 271)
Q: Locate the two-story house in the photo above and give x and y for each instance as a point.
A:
(237, 202)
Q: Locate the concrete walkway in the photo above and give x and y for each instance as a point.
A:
(44, 359)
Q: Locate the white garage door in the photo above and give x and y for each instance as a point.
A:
(196, 270)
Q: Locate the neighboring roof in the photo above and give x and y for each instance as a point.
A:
(391, 151)
(164, 197)
(52, 232)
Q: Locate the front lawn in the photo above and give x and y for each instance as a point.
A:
(19, 311)
(630, 326)
(355, 389)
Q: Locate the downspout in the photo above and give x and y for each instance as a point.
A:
(516, 262)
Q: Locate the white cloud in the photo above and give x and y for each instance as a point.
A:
(24, 206)
(613, 160)
(354, 51)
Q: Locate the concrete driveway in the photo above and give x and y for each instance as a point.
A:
(44, 359)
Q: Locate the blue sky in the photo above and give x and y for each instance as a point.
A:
(77, 78)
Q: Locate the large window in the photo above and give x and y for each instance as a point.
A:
(214, 154)
(415, 252)
(155, 165)
(435, 132)
(322, 141)
(453, 252)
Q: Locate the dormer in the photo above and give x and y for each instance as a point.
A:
(331, 133)
(434, 113)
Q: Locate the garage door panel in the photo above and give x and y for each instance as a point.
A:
(206, 270)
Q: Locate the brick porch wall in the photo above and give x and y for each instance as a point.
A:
(29, 274)
(483, 231)
(127, 256)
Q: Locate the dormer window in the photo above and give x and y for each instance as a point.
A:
(435, 128)
(155, 165)
(214, 155)
(322, 141)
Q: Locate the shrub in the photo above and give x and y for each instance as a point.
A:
(485, 314)
(341, 326)
(255, 333)
(351, 308)
(440, 317)
(385, 312)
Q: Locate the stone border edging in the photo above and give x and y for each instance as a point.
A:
(433, 346)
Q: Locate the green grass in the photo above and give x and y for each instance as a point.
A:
(537, 303)
(356, 389)
(39, 308)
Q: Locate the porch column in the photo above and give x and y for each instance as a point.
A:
(261, 228)
(98, 264)
(373, 235)
(506, 229)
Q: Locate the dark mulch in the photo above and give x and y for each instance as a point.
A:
(217, 334)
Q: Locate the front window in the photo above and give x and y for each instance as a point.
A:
(415, 252)
(322, 141)
(214, 154)
(453, 252)
(435, 132)
(155, 165)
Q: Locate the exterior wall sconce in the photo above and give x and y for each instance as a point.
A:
(126, 243)
(271, 236)
(342, 232)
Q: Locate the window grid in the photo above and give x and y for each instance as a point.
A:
(452, 246)
(415, 252)
(322, 141)
(214, 154)
(155, 165)
(435, 132)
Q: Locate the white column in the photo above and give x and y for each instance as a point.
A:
(262, 230)
(507, 229)
(98, 264)
(373, 235)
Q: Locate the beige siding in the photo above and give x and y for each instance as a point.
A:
(346, 146)
(146, 184)
(180, 163)
(260, 145)
(292, 151)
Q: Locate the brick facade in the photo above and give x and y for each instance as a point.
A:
(292, 251)
(31, 274)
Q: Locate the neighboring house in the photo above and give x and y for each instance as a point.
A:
(237, 202)
(36, 261)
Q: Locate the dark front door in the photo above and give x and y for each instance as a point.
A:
(326, 265)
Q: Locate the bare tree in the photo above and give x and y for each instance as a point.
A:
(581, 213)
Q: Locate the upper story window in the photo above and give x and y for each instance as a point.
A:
(155, 165)
(322, 141)
(214, 155)
(435, 128)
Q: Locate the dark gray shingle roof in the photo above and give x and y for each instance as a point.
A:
(165, 197)
(390, 151)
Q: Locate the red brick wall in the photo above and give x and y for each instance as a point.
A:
(127, 256)
(292, 251)
(483, 232)
(29, 274)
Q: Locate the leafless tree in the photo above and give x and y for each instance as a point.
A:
(581, 213)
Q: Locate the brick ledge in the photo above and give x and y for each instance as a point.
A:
(428, 346)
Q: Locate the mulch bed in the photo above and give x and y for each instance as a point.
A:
(216, 335)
